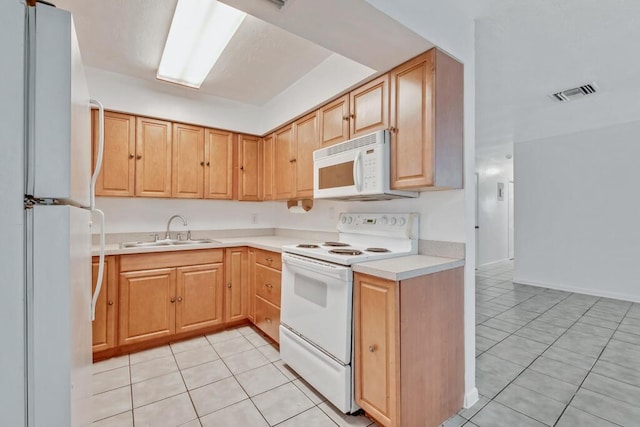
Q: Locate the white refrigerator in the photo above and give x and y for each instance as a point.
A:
(48, 204)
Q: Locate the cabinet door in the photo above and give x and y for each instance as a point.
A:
(249, 167)
(334, 121)
(412, 121)
(369, 107)
(117, 176)
(237, 289)
(283, 164)
(267, 168)
(251, 280)
(147, 305)
(218, 171)
(306, 141)
(153, 158)
(199, 296)
(188, 162)
(104, 325)
(376, 348)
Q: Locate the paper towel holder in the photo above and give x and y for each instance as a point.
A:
(305, 204)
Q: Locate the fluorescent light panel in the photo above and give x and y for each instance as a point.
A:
(200, 31)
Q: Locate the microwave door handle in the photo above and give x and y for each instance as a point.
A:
(357, 171)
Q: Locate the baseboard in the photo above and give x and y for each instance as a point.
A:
(471, 397)
(591, 292)
(494, 262)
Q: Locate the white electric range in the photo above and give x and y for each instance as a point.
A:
(316, 323)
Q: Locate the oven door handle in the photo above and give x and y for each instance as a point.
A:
(331, 270)
(357, 171)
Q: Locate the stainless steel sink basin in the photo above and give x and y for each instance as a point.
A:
(166, 242)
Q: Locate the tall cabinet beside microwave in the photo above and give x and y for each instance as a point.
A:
(426, 123)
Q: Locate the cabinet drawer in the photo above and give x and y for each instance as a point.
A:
(268, 284)
(270, 259)
(170, 259)
(268, 318)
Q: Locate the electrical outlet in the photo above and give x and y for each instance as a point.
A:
(254, 218)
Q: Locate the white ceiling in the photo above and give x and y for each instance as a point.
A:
(262, 60)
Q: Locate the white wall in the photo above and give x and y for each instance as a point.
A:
(493, 214)
(137, 214)
(12, 303)
(578, 211)
(451, 29)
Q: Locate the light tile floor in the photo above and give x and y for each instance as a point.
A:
(233, 378)
(552, 358)
(543, 358)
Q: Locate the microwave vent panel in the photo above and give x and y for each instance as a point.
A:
(354, 143)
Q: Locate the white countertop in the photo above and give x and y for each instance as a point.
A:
(407, 267)
(395, 269)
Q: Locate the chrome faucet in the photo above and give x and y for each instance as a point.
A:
(168, 234)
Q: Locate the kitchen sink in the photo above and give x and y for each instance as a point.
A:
(166, 242)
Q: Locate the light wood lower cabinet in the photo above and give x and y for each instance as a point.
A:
(147, 305)
(199, 297)
(409, 348)
(265, 279)
(237, 290)
(104, 324)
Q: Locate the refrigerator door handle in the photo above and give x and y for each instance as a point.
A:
(96, 293)
(100, 153)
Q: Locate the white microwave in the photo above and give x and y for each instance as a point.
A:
(357, 169)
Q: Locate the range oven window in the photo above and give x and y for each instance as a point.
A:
(334, 176)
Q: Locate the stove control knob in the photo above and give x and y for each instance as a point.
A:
(343, 219)
(349, 220)
(402, 221)
(392, 221)
(383, 220)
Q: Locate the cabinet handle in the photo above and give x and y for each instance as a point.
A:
(179, 299)
(345, 118)
(208, 164)
(268, 259)
(229, 285)
(266, 319)
(201, 163)
(393, 129)
(293, 160)
(353, 116)
(131, 156)
(242, 168)
(173, 300)
(139, 156)
(110, 302)
(268, 285)
(372, 348)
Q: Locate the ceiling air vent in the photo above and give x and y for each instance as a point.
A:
(575, 92)
(278, 3)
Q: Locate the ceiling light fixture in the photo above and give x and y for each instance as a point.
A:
(200, 31)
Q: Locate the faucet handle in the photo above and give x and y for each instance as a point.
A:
(188, 234)
(155, 236)
(179, 236)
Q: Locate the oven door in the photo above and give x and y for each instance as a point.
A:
(317, 303)
(339, 175)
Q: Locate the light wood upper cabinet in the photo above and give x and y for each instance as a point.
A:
(284, 172)
(153, 158)
(409, 347)
(117, 176)
(237, 289)
(199, 297)
(333, 120)
(188, 162)
(147, 305)
(267, 167)
(369, 106)
(104, 324)
(218, 171)
(306, 141)
(249, 167)
(427, 123)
